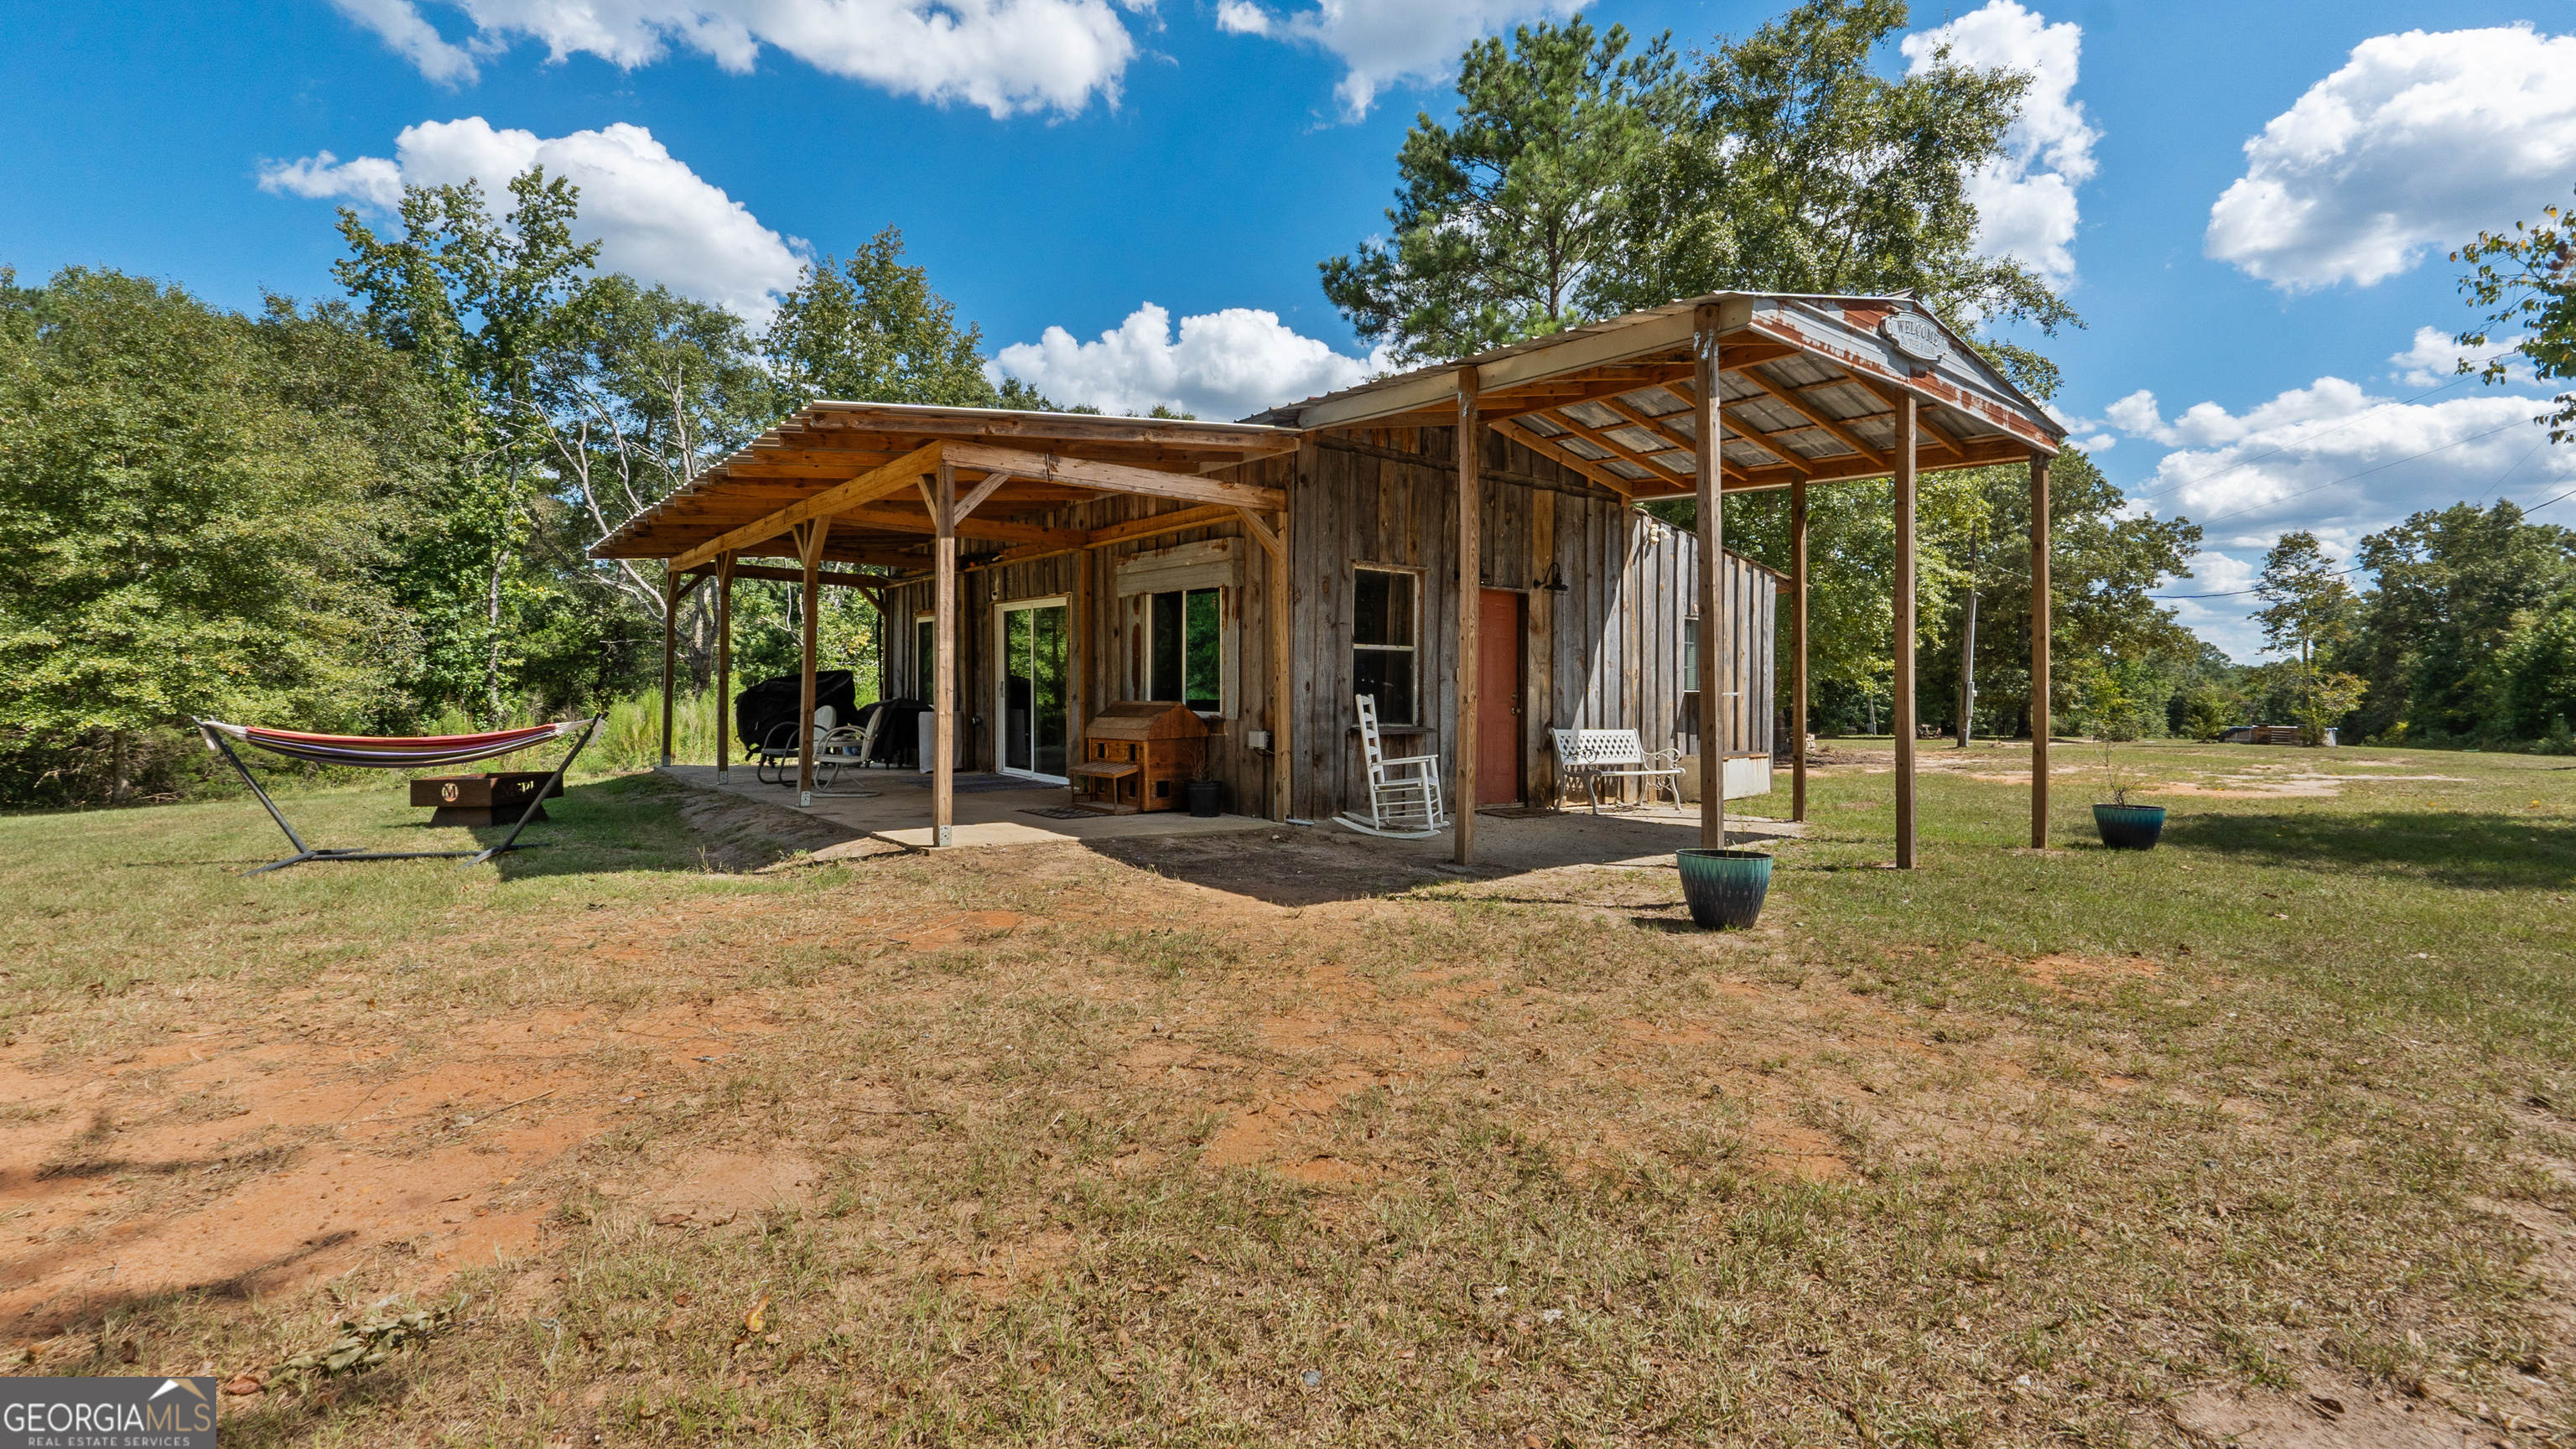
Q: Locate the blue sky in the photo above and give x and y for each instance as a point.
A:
(1074, 164)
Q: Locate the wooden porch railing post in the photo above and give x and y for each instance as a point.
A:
(2039, 613)
(1471, 602)
(1903, 710)
(724, 665)
(670, 650)
(943, 778)
(809, 547)
(1716, 656)
(1798, 650)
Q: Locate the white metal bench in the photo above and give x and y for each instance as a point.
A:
(1594, 756)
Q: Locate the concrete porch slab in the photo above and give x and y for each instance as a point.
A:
(898, 810)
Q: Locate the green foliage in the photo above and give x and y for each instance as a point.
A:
(475, 302)
(2526, 281)
(2542, 667)
(195, 511)
(1801, 168)
(1503, 220)
(2210, 710)
(2449, 629)
(2307, 603)
(871, 330)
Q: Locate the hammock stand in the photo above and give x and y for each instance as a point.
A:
(374, 753)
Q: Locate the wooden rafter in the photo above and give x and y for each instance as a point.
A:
(876, 483)
(1924, 429)
(1521, 433)
(1116, 477)
(1789, 398)
(904, 520)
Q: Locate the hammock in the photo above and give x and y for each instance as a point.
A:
(372, 752)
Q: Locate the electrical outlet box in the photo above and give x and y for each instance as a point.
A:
(1257, 739)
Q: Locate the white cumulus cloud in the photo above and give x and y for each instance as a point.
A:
(2334, 459)
(2417, 143)
(1226, 365)
(2025, 198)
(1382, 42)
(1006, 56)
(654, 218)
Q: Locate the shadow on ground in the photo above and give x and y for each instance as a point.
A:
(2479, 850)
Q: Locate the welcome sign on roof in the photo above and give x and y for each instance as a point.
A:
(1916, 336)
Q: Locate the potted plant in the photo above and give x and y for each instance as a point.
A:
(2125, 826)
(1724, 887)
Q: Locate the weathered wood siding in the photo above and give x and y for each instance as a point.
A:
(1603, 653)
(1102, 668)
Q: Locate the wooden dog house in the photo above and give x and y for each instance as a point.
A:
(1137, 756)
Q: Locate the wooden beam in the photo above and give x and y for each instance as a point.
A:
(2039, 627)
(1154, 523)
(1798, 650)
(1714, 654)
(1903, 710)
(1116, 477)
(874, 484)
(1471, 610)
(809, 548)
(1261, 532)
(899, 520)
(724, 665)
(1539, 396)
(1895, 397)
(823, 576)
(983, 490)
(943, 777)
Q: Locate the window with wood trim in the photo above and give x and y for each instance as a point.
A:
(1185, 647)
(1386, 617)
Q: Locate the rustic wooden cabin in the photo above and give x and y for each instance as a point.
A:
(1037, 568)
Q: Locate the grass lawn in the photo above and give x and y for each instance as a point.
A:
(2267, 1136)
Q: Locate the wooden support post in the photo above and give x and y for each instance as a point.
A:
(943, 678)
(1798, 650)
(1283, 674)
(670, 647)
(2039, 612)
(1077, 702)
(809, 550)
(724, 665)
(1715, 651)
(1471, 608)
(1903, 712)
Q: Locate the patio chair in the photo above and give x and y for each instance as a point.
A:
(1404, 793)
(774, 762)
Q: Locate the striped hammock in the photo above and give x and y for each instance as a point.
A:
(377, 753)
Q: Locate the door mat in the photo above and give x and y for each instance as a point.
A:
(1066, 812)
(985, 784)
(1515, 812)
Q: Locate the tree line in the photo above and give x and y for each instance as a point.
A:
(371, 513)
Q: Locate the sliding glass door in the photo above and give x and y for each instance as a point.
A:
(1031, 711)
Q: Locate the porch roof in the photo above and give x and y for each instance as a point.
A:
(859, 464)
(1808, 387)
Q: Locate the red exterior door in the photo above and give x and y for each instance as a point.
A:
(1498, 698)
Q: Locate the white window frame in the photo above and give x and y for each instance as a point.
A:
(1413, 706)
(1002, 610)
(1226, 631)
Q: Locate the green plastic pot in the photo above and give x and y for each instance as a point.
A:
(1725, 887)
(2129, 827)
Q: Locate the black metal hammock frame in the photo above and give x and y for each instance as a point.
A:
(378, 753)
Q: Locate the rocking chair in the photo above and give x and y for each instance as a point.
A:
(1404, 794)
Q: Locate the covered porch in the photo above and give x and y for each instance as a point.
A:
(898, 495)
(1794, 391)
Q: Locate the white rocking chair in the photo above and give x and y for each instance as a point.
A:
(1404, 794)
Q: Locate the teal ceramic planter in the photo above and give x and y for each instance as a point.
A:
(1725, 887)
(2129, 827)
